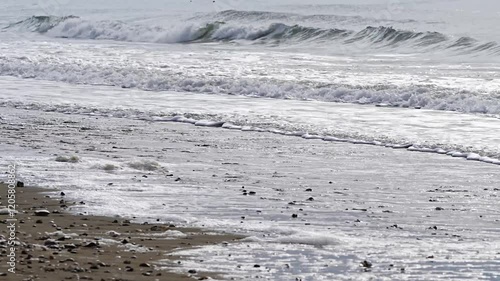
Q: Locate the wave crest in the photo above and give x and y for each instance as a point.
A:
(370, 38)
(40, 24)
(161, 79)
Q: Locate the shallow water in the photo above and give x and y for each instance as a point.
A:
(354, 202)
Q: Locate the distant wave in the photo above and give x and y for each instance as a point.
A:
(262, 16)
(370, 38)
(40, 24)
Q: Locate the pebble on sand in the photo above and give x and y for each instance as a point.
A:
(366, 264)
(42, 213)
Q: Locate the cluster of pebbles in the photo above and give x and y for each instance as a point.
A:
(53, 244)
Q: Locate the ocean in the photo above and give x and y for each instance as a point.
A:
(417, 77)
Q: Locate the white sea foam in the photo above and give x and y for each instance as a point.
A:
(59, 234)
(370, 39)
(114, 30)
(208, 123)
(231, 126)
(169, 234)
(158, 79)
(275, 126)
(311, 137)
(475, 157)
(303, 237)
(144, 165)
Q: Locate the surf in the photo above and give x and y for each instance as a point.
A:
(374, 39)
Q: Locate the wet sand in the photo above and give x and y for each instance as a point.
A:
(65, 246)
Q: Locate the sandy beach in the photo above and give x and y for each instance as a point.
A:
(67, 246)
(310, 209)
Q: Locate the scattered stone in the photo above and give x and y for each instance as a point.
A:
(62, 193)
(20, 184)
(144, 265)
(439, 209)
(94, 266)
(91, 245)
(256, 266)
(50, 242)
(395, 226)
(113, 233)
(192, 271)
(69, 246)
(366, 264)
(63, 238)
(295, 216)
(42, 213)
(309, 190)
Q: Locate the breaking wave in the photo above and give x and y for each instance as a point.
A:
(40, 24)
(164, 79)
(262, 16)
(374, 38)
